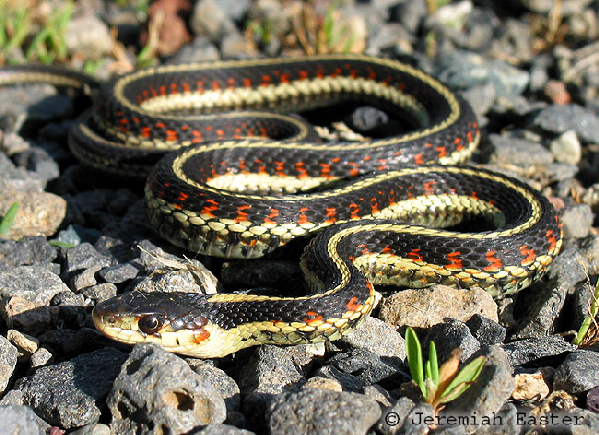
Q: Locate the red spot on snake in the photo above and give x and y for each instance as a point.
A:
(418, 159)
(441, 151)
(355, 211)
(174, 89)
(200, 335)
(300, 167)
(529, 253)
(415, 254)
(182, 196)
(454, 261)
(171, 136)
(551, 239)
(210, 208)
(353, 305)
(273, 213)
(215, 85)
(242, 216)
(146, 132)
(265, 80)
(331, 215)
(496, 263)
(303, 219)
(429, 186)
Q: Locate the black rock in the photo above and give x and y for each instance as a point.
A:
(537, 350)
(67, 394)
(578, 373)
(158, 389)
(315, 410)
(485, 330)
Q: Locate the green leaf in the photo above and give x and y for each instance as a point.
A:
(434, 364)
(58, 244)
(414, 352)
(8, 219)
(463, 380)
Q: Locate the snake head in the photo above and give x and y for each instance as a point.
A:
(168, 319)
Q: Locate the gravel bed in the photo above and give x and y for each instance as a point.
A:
(80, 238)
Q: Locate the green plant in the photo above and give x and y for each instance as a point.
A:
(15, 25)
(439, 385)
(587, 335)
(49, 44)
(8, 219)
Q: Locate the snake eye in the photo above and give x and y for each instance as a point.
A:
(149, 324)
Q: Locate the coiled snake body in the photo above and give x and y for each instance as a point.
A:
(384, 209)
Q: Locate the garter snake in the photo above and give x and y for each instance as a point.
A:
(384, 208)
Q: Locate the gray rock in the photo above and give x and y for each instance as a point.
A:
(8, 362)
(210, 18)
(38, 163)
(509, 150)
(119, 273)
(67, 394)
(461, 69)
(405, 417)
(576, 220)
(222, 382)
(223, 429)
(93, 429)
(270, 371)
(578, 373)
(488, 394)
(481, 98)
(378, 337)
(82, 257)
(540, 308)
(74, 341)
(526, 351)
(32, 283)
(566, 148)
(83, 279)
(390, 38)
(43, 356)
(505, 422)
(369, 367)
(88, 36)
(173, 282)
(20, 420)
(561, 118)
(100, 292)
(26, 316)
(39, 213)
(27, 251)
(27, 107)
(422, 308)
(543, 6)
(157, 388)
(345, 380)
(409, 13)
(76, 234)
(201, 49)
(450, 335)
(302, 413)
(486, 331)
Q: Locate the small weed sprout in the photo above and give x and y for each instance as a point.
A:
(439, 385)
